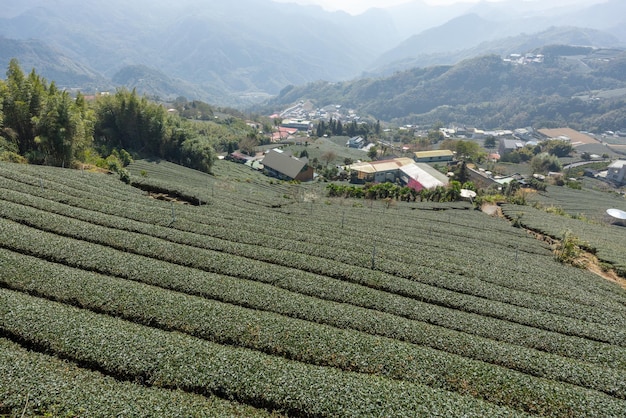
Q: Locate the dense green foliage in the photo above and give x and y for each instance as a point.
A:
(209, 299)
(126, 121)
(334, 128)
(390, 192)
(40, 122)
(43, 125)
(544, 163)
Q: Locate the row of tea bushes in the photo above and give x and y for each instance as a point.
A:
(34, 384)
(264, 297)
(296, 257)
(333, 243)
(608, 242)
(171, 360)
(306, 282)
(311, 342)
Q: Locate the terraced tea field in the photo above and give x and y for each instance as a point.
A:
(604, 237)
(589, 204)
(243, 297)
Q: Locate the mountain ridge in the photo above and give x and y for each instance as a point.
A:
(218, 51)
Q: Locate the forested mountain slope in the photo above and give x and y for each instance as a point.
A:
(487, 91)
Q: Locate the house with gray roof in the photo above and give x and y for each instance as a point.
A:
(284, 166)
(509, 145)
(357, 142)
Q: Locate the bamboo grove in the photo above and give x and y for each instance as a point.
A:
(41, 123)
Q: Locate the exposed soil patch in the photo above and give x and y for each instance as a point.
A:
(491, 209)
(594, 266)
(166, 197)
(159, 193)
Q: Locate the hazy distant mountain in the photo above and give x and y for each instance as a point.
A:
(455, 35)
(243, 46)
(54, 65)
(409, 54)
(220, 51)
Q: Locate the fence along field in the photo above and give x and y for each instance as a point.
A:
(458, 311)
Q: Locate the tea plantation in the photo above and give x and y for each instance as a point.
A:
(186, 294)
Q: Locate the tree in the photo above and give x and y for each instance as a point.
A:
(328, 156)
(453, 192)
(321, 129)
(42, 123)
(248, 145)
(490, 141)
(57, 128)
(372, 153)
(461, 174)
(469, 150)
(127, 121)
(558, 148)
(544, 163)
(449, 144)
(7, 136)
(22, 102)
(198, 153)
(466, 150)
(435, 136)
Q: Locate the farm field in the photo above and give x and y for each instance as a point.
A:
(236, 295)
(335, 145)
(605, 240)
(589, 203)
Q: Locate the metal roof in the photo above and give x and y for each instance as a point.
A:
(434, 153)
(381, 166)
(426, 175)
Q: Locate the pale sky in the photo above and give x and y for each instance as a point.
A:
(359, 6)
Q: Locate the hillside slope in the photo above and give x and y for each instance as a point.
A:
(65, 72)
(272, 296)
(486, 91)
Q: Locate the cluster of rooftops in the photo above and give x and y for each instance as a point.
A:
(414, 172)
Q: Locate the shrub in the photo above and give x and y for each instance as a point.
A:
(12, 157)
(568, 250)
(124, 175)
